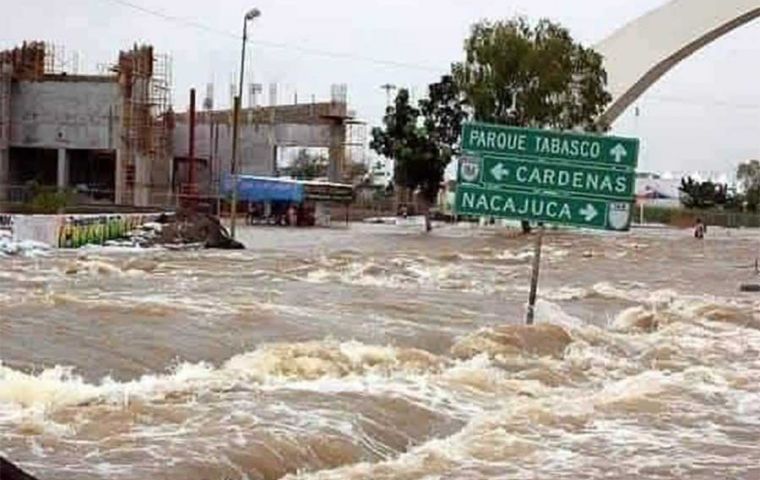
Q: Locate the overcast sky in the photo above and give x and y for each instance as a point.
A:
(704, 115)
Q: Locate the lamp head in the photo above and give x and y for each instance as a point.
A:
(253, 13)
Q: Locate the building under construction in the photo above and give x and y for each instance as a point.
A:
(203, 159)
(108, 136)
(113, 137)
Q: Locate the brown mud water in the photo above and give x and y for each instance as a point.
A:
(385, 353)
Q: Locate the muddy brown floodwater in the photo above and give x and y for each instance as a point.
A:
(383, 353)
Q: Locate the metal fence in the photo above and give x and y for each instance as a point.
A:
(685, 218)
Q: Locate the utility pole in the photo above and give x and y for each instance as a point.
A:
(191, 152)
(388, 87)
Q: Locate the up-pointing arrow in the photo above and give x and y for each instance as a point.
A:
(588, 212)
(619, 152)
(499, 172)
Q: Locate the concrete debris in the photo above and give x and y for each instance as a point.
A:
(186, 230)
(193, 228)
(9, 247)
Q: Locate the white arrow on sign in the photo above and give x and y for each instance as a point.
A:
(619, 152)
(589, 213)
(499, 172)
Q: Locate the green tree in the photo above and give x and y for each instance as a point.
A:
(528, 76)
(307, 166)
(703, 195)
(443, 112)
(423, 140)
(399, 136)
(748, 175)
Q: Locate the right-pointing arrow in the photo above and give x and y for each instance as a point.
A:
(588, 212)
(499, 172)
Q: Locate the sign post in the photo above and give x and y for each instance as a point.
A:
(530, 316)
(560, 178)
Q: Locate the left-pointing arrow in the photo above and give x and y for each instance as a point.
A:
(499, 172)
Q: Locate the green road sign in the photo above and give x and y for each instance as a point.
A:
(542, 207)
(554, 176)
(548, 145)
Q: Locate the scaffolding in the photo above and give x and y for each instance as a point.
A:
(6, 76)
(59, 61)
(32, 61)
(145, 79)
(23, 63)
(356, 141)
(28, 62)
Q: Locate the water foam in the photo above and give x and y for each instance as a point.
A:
(605, 417)
(593, 400)
(26, 248)
(60, 387)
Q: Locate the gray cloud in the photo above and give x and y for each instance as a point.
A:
(704, 115)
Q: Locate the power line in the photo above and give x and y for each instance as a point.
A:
(713, 103)
(284, 46)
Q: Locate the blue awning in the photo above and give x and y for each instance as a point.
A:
(263, 189)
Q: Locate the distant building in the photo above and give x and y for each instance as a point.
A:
(105, 135)
(653, 189)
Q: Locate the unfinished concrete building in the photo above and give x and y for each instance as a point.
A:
(108, 137)
(263, 130)
(114, 139)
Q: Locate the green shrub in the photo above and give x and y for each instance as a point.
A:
(50, 201)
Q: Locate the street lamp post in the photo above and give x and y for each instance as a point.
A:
(249, 17)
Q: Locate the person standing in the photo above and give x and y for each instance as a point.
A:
(249, 216)
(699, 229)
(292, 216)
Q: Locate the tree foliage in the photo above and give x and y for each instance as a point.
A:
(703, 195)
(748, 175)
(513, 73)
(528, 76)
(398, 137)
(308, 166)
(422, 140)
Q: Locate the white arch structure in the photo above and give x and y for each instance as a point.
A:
(643, 51)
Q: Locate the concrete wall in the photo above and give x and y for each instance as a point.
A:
(73, 231)
(263, 130)
(257, 143)
(65, 114)
(5, 127)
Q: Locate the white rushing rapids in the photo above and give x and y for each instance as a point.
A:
(529, 403)
(382, 360)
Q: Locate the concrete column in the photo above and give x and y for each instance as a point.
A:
(4, 173)
(63, 168)
(337, 167)
(6, 72)
(142, 181)
(272, 167)
(119, 178)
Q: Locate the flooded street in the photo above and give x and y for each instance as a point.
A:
(380, 352)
